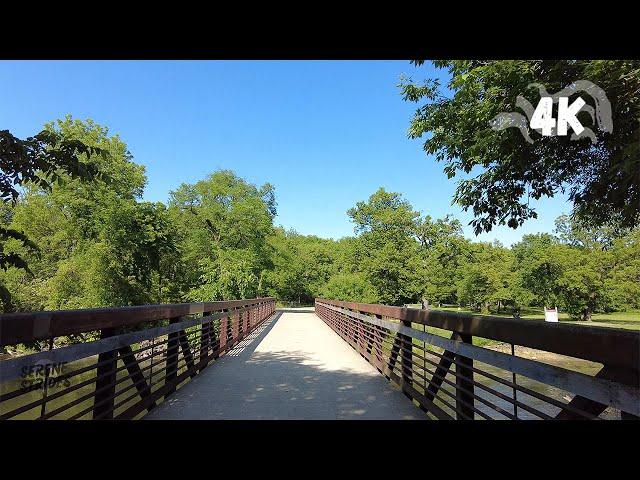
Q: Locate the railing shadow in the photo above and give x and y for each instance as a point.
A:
(248, 344)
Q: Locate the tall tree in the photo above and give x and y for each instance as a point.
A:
(85, 231)
(224, 223)
(487, 278)
(301, 265)
(444, 252)
(388, 247)
(625, 275)
(538, 268)
(37, 161)
(583, 285)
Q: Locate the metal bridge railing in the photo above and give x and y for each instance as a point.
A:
(140, 356)
(431, 355)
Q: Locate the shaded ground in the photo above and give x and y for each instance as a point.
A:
(293, 367)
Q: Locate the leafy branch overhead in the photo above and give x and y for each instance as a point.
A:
(40, 160)
(499, 172)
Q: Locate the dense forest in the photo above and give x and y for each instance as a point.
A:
(94, 242)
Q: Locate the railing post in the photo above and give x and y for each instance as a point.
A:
(356, 330)
(406, 359)
(464, 380)
(224, 331)
(236, 327)
(171, 365)
(372, 349)
(103, 400)
(205, 341)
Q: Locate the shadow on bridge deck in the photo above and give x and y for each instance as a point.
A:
(292, 367)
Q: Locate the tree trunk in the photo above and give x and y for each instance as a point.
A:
(586, 315)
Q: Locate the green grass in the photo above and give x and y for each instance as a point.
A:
(629, 319)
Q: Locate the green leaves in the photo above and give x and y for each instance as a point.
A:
(350, 287)
(223, 223)
(388, 228)
(602, 180)
(41, 160)
(38, 162)
(89, 241)
(486, 277)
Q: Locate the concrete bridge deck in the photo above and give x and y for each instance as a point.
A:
(291, 367)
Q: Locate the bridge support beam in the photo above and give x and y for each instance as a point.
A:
(105, 392)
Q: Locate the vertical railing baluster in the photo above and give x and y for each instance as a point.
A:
(103, 400)
(205, 341)
(406, 361)
(171, 365)
(515, 391)
(464, 380)
(221, 340)
(236, 325)
(45, 385)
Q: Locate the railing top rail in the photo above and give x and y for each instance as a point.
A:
(26, 327)
(611, 346)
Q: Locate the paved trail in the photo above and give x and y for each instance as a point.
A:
(292, 367)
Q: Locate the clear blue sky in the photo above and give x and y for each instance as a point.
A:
(326, 133)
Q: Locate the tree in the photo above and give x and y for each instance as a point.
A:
(603, 178)
(387, 246)
(625, 274)
(350, 287)
(487, 277)
(224, 223)
(301, 265)
(39, 161)
(577, 233)
(583, 284)
(538, 266)
(142, 246)
(86, 232)
(444, 251)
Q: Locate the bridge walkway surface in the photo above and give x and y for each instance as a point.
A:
(293, 366)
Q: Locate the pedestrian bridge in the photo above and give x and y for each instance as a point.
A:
(245, 359)
(293, 366)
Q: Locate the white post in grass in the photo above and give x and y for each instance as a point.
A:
(551, 314)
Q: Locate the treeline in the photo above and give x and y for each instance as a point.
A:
(95, 243)
(399, 257)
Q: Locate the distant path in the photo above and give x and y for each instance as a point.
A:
(292, 367)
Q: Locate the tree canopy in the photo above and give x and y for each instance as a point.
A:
(499, 171)
(93, 242)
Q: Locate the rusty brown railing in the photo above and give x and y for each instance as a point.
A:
(140, 356)
(431, 355)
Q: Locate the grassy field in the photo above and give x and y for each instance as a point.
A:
(629, 319)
